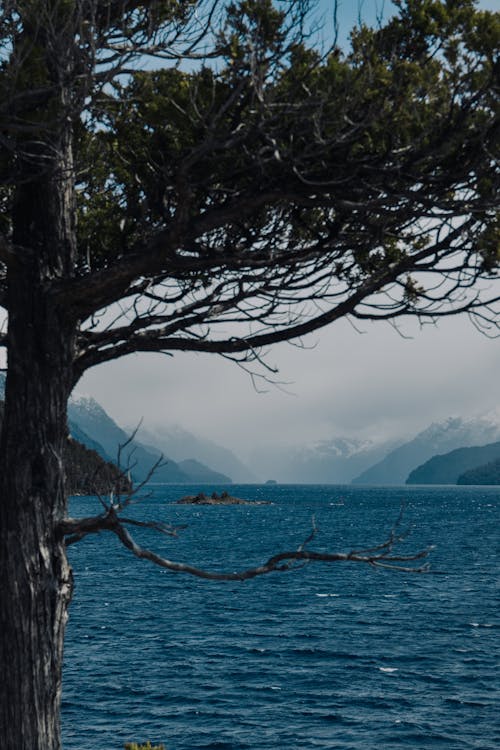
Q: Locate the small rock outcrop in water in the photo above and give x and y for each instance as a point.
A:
(223, 499)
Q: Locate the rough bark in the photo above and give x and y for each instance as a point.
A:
(35, 575)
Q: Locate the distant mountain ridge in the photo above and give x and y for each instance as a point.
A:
(78, 434)
(333, 461)
(86, 472)
(91, 425)
(485, 474)
(182, 445)
(439, 438)
(198, 472)
(448, 467)
(92, 419)
(430, 457)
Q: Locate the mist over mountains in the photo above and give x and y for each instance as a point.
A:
(377, 462)
(334, 461)
(340, 460)
(438, 438)
(429, 457)
(182, 445)
(453, 467)
(92, 421)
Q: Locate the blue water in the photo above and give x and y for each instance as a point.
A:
(336, 656)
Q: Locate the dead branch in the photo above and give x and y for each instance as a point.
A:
(76, 529)
(380, 556)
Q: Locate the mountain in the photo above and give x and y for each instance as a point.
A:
(440, 437)
(486, 474)
(78, 434)
(447, 468)
(86, 472)
(92, 420)
(333, 461)
(90, 417)
(91, 426)
(180, 445)
(201, 473)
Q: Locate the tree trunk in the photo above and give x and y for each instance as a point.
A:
(36, 579)
(35, 576)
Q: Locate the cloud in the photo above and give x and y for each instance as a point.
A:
(375, 384)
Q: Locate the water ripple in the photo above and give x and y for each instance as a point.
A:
(328, 658)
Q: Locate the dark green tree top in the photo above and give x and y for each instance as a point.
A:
(250, 188)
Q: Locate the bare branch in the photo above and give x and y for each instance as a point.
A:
(380, 556)
(77, 529)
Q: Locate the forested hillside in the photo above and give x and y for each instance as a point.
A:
(86, 472)
(485, 474)
(447, 468)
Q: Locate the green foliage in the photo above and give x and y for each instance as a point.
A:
(86, 472)
(254, 29)
(411, 103)
(146, 746)
(451, 467)
(488, 474)
(297, 152)
(488, 243)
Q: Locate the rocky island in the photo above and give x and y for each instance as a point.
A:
(214, 499)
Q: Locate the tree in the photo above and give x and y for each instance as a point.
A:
(243, 189)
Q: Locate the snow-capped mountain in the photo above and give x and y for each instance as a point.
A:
(334, 461)
(337, 460)
(89, 416)
(447, 468)
(90, 425)
(438, 438)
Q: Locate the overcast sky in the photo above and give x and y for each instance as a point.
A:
(374, 384)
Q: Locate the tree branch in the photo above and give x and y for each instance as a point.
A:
(271, 305)
(380, 556)
(76, 529)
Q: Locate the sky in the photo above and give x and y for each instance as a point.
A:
(376, 384)
(372, 385)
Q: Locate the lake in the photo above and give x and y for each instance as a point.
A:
(332, 656)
